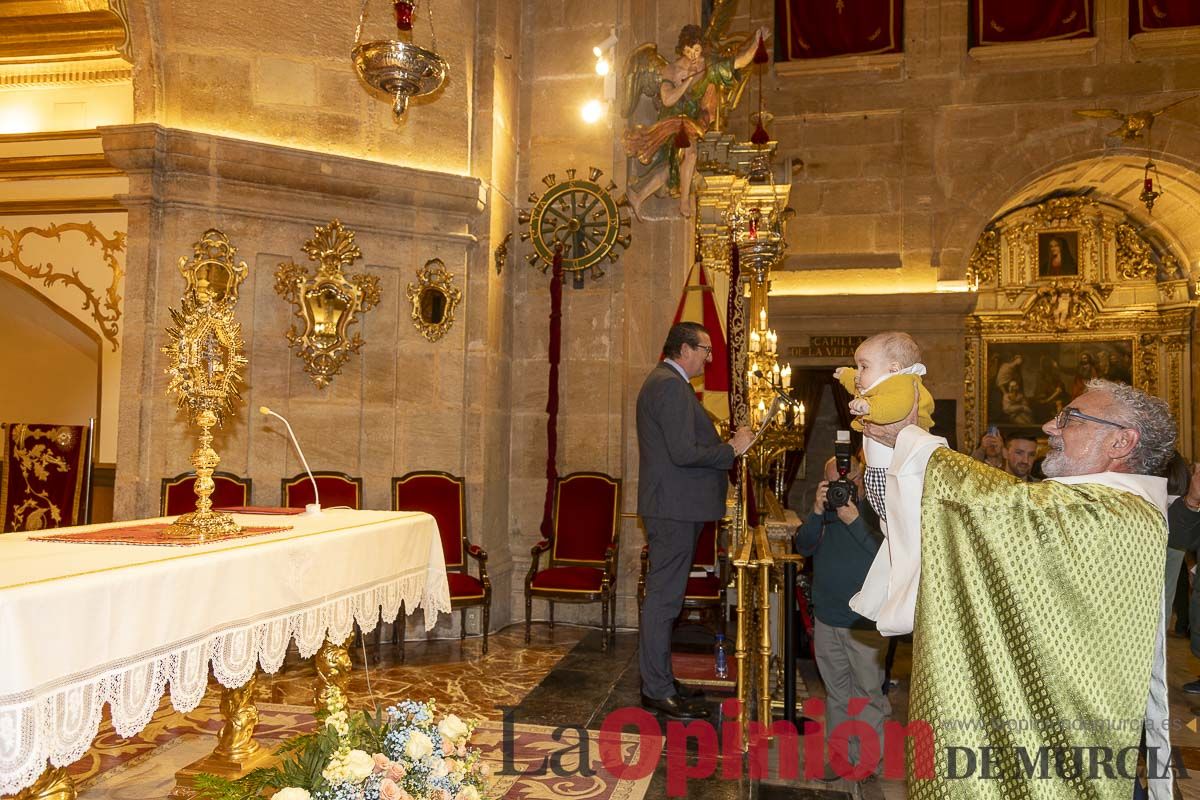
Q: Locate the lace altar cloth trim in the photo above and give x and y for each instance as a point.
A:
(147, 535)
(282, 511)
(61, 724)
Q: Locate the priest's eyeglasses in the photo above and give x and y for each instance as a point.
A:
(1068, 414)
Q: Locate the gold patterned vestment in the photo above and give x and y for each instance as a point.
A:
(1035, 630)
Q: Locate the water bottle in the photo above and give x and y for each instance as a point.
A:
(722, 657)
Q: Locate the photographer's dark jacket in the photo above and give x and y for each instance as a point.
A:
(841, 555)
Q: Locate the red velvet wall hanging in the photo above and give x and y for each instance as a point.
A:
(556, 280)
(1009, 21)
(823, 28)
(1157, 15)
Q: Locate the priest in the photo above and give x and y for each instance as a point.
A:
(1036, 609)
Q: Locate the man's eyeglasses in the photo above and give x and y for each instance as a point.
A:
(1068, 414)
(707, 348)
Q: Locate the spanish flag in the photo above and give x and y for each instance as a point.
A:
(698, 304)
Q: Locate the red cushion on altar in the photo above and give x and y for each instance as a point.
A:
(463, 585)
(569, 579)
(706, 588)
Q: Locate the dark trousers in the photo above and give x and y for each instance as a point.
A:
(672, 546)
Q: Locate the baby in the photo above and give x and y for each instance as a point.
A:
(889, 366)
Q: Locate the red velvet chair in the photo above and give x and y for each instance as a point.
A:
(705, 594)
(443, 496)
(178, 494)
(45, 475)
(337, 489)
(582, 549)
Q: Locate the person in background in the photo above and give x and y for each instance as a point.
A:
(1183, 534)
(849, 651)
(1019, 455)
(991, 449)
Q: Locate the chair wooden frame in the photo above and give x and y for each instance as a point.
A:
(702, 605)
(246, 484)
(465, 549)
(302, 478)
(606, 594)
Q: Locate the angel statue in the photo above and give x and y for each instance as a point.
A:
(688, 95)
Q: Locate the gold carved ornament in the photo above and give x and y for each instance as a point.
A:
(1135, 259)
(984, 264)
(206, 359)
(580, 215)
(327, 303)
(1061, 308)
(434, 298)
(104, 307)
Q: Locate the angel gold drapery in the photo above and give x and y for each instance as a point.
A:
(1157, 15)
(824, 28)
(1009, 21)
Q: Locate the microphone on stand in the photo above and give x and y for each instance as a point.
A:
(315, 507)
(758, 373)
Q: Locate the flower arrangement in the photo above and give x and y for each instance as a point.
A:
(404, 753)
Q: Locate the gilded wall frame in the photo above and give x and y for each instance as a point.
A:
(1128, 296)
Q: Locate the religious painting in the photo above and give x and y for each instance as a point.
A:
(1028, 383)
(1058, 254)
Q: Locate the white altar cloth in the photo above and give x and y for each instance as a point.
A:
(82, 625)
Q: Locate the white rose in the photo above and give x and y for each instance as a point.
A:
(359, 765)
(293, 793)
(439, 768)
(452, 728)
(467, 792)
(418, 746)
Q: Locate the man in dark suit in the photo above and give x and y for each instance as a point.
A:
(682, 484)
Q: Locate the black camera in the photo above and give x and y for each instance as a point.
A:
(841, 492)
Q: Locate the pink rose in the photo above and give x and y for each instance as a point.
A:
(461, 750)
(396, 771)
(382, 762)
(439, 794)
(390, 790)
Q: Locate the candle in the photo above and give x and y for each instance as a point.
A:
(762, 319)
(802, 415)
(755, 342)
(787, 376)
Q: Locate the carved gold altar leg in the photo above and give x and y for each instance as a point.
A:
(333, 674)
(741, 651)
(764, 645)
(53, 784)
(237, 752)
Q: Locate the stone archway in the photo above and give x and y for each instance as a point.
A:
(1078, 161)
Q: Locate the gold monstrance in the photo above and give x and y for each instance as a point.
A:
(205, 371)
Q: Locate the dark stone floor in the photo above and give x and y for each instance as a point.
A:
(588, 684)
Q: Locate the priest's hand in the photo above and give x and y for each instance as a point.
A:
(886, 434)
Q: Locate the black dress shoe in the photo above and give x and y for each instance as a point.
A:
(675, 707)
(688, 692)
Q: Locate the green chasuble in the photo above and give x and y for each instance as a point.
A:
(1034, 634)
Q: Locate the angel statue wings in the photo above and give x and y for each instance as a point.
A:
(689, 94)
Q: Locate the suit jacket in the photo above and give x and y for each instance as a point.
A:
(682, 462)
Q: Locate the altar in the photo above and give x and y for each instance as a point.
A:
(82, 625)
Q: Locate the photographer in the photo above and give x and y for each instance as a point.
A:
(842, 535)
